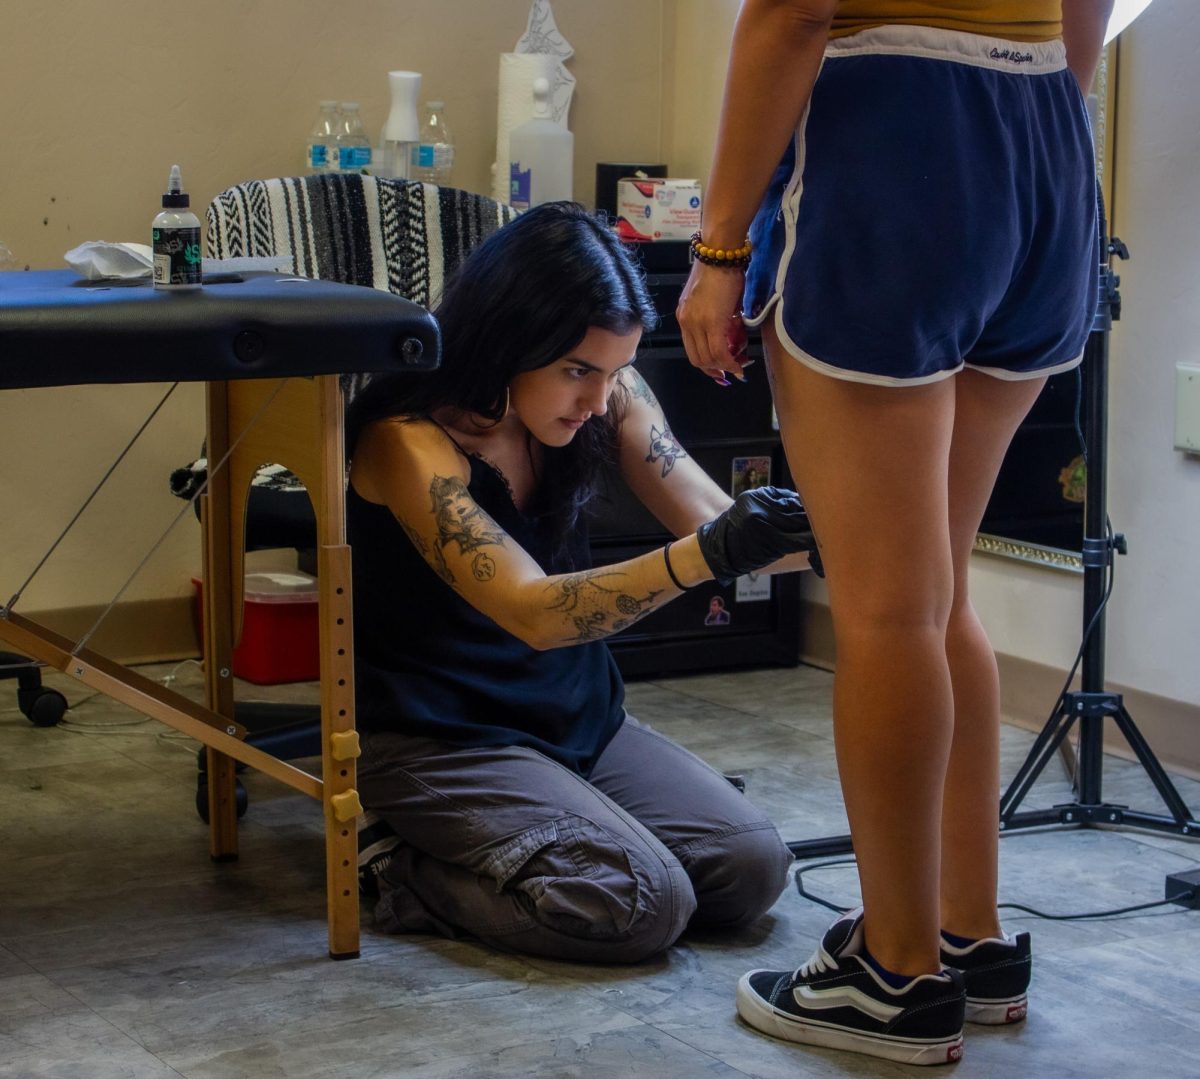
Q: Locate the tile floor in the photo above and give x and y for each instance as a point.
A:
(124, 952)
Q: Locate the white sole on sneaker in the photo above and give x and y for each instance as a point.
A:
(997, 1013)
(767, 1019)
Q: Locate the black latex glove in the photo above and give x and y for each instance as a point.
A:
(762, 525)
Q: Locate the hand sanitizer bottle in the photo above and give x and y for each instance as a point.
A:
(175, 239)
(540, 153)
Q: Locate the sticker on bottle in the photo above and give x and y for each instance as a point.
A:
(519, 186)
(176, 255)
(354, 157)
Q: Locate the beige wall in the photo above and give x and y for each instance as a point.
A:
(695, 52)
(101, 98)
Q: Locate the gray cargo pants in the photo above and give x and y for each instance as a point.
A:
(507, 846)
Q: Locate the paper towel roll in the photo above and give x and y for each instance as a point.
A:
(517, 72)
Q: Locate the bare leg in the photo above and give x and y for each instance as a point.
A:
(987, 413)
(871, 463)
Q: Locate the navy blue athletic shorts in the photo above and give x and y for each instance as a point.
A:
(936, 208)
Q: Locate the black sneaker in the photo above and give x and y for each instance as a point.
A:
(836, 1000)
(377, 844)
(996, 973)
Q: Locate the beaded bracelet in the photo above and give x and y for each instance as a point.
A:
(732, 258)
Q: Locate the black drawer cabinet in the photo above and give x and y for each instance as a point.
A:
(751, 622)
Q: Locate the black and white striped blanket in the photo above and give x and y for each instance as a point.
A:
(395, 235)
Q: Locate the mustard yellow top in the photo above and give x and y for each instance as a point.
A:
(1019, 20)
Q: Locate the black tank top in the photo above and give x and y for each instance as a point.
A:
(429, 664)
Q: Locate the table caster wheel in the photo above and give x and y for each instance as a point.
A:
(43, 707)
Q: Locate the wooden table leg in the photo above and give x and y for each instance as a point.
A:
(220, 615)
(299, 425)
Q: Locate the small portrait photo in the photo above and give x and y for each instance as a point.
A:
(718, 613)
(748, 473)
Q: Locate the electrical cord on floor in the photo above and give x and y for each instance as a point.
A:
(1186, 895)
(73, 723)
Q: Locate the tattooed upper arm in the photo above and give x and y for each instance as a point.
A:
(645, 428)
(639, 389)
(664, 447)
(460, 521)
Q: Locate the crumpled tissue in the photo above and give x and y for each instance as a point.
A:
(100, 260)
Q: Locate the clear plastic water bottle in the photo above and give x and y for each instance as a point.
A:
(320, 151)
(432, 159)
(353, 146)
(540, 155)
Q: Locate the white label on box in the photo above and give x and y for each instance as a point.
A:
(654, 209)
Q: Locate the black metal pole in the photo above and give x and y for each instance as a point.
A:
(1097, 547)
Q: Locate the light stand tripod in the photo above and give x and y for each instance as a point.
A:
(1091, 704)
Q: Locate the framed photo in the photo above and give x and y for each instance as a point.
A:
(748, 473)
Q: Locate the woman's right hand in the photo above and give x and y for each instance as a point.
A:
(708, 314)
(762, 526)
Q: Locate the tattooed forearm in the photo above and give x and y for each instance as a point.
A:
(664, 447)
(596, 604)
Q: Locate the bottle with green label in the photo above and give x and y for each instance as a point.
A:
(175, 239)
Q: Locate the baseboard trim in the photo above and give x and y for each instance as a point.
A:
(140, 631)
(1029, 690)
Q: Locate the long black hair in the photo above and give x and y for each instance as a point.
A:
(523, 299)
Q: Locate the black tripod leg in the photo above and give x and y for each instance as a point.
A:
(1044, 747)
(1160, 779)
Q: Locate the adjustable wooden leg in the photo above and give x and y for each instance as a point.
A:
(340, 751)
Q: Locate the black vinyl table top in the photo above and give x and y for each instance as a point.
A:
(59, 330)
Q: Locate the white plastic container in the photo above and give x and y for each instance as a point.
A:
(541, 153)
